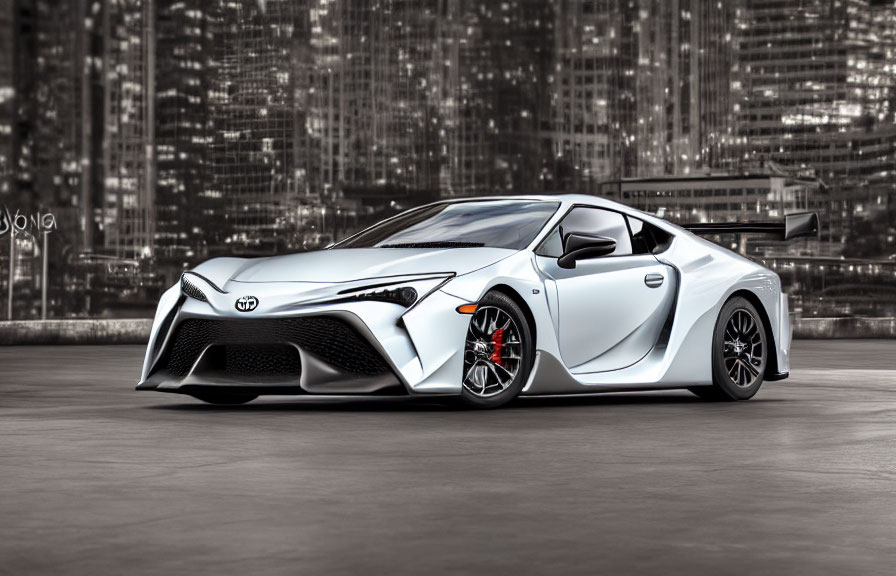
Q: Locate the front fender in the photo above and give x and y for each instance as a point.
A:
(517, 274)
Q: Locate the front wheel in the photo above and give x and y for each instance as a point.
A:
(498, 354)
(739, 352)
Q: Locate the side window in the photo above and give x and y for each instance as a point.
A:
(647, 239)
(594, 221)
(641, 240)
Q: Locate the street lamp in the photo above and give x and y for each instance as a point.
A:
(12, 264)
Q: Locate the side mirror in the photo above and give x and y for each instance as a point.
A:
(584, 246)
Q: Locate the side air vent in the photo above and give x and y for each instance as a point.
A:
(191, 290)
(164, 328)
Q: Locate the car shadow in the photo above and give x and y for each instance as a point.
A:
(375, 404)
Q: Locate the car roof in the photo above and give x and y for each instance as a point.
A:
(569, 200)
(566, 199)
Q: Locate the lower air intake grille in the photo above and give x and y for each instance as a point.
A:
(260, 360)
(331, 339)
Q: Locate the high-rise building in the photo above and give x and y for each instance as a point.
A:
(7, 97)
(593, 90)
(24, 57)
(186, 218)
(57, 94)
(45, 122)
(128, 127)
(374, 101)
(254, 119)
(684, 60)
(67, 100)
(497, 60)
(813, 95)
(641, 88)
(89, 49)
(51, 52)
(405, 119)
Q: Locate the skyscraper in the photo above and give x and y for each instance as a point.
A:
(24, 112)
(187, 219)
(405, 115)
(128, 127)
(59, 126)
(375, 107)
(495, 95)
(684, 60)
(641, 87)
(813, 95)
(254, 119)
(593, 90)
(7, 97)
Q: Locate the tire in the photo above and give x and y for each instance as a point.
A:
(498, 353)
(740, 352)
(224, 398)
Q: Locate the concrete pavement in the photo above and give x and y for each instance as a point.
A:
(98, 479)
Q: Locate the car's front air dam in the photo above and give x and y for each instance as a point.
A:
(323, 354)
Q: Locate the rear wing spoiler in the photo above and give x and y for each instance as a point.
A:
(794, 226)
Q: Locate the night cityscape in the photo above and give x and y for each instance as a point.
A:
(141, 137)
(230, 344)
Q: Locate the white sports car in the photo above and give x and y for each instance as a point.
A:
(486, 299)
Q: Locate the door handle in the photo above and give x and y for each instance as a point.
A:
(654, 280)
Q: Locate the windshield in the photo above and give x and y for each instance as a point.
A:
(492, 223)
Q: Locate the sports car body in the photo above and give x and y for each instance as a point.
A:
(485, 299)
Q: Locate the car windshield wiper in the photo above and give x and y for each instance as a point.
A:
(444, 244)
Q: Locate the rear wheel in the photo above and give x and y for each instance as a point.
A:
(739, 353)
(498, 353)
(223, 398)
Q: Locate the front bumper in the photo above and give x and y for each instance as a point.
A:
(312, 354)
(340, 348)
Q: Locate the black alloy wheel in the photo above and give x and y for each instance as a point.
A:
(739, 353)
(498, 354)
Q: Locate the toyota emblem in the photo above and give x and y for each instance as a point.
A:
(246, 303)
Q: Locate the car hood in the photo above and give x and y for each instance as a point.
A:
(345, 265)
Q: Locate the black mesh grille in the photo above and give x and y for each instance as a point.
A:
(275, 360)
(330, 339)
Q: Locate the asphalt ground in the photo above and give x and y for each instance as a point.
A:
(98, 479)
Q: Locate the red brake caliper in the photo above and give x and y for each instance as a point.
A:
(497, 347)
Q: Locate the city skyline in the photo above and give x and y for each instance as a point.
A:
(169, 131)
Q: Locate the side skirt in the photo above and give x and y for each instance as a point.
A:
(550, 377)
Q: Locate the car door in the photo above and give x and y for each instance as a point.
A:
(609, 310)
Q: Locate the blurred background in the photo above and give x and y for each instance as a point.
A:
(140, 137)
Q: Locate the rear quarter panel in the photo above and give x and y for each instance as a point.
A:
(710, 275)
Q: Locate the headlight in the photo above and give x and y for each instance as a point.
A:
(407, 291)
(191, 290)
(405, 296)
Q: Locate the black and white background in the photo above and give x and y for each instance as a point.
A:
(159, 133)
(141, 137)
